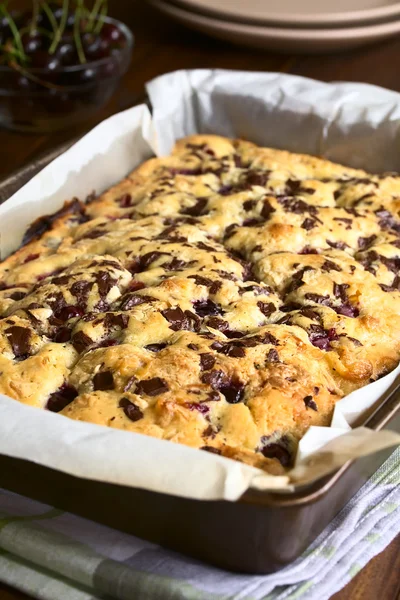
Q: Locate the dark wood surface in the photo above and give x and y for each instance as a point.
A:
(163, 46)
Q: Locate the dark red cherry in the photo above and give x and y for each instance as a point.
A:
(44, 60)
(25, 84)
(66, 54)
(111, 32)
(58, 13)
(32, 42)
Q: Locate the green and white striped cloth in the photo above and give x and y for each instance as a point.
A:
(55, 555)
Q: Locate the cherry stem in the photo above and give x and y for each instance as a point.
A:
(35, 15)
(101, 19)
(77, 33)
(60, 30)
(51, 17)
(14, 31)
(32, 77)
(93, 14)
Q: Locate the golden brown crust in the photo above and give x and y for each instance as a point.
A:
(224, 297)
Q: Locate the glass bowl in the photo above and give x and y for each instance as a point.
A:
(76, 92)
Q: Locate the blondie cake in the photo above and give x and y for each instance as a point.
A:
(224, 297)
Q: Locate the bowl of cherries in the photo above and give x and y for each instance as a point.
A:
(59, 63)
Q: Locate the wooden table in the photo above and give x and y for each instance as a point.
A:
(163, 46)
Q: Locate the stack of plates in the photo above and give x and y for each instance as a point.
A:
(289, 25)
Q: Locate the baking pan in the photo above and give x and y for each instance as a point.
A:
(260, 533)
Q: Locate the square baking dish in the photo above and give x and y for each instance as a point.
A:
(260, 533)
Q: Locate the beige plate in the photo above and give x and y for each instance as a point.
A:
(282, 39)
(294, 13)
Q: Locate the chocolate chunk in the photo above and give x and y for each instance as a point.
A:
(233, 349)
(205, 247)
(175, 316)
(267, 210)
(256, 289)
(125, 201)
(152, 387)
(218, 324)
(205, 308)
(207, 361)
(259, 178)
(211, 449)
(249, 205)
(329, 266)
(81, 290)
(81, 341)
(61, 398)
(56, 302)
(268, 338)
(233, 391)
(175, 264)
(197, 171)
(116, 320)
(130, 383)
(366, 242)
(267, 308)
(68, 312)
(273, 356)
(103, 380)
(279, 452)
(131, 410)
(43, 224)
(297, 206)
(134, 286)
(251, 222)
(19, 338)
(198, 149)
(93, 234)
(143, 262)
(17, 296)
(155, 347)
(131, 301)
(214, 378)
(194, 347)
(62, 280)
(392, 264)
(322, 338)
(339, 291)
(297, 280)
(337, 245)
(230, 231)
(199, 280)
(197, 209)
(192, 321)
(181, 320)
(105, 283)
(308, 224)
(295, 186)
(31, 257)
(309, 402)
(318, 299)
(62, 335)
(308, 250)
(347, 222)
(347, 310)
(355, 342)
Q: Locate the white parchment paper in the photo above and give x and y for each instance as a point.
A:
(355, 124)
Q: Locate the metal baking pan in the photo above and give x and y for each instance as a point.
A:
(260, 533)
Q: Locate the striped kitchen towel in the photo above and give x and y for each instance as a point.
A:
(54, 555)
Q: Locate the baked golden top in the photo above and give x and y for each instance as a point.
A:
(224, 297)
